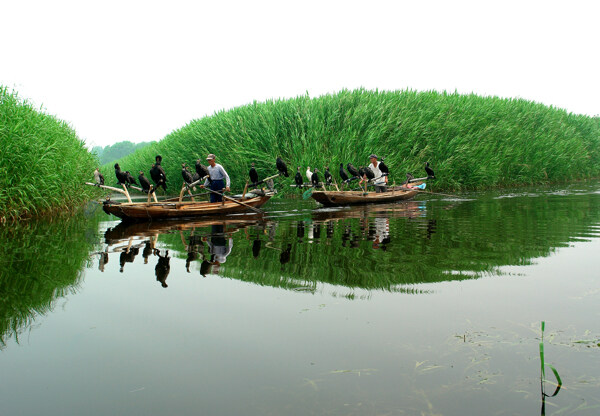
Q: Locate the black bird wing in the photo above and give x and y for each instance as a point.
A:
(315, 179)
(187, 176)
(298, 179)
(353, 171)
(343, 174)
(281, 167)
(253, 175)
(383, 168)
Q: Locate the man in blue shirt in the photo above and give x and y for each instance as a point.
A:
(219, 179)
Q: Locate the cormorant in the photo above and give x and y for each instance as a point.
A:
(298, 178)
(281, 167)
(201, 170)
(121, 176)
(98, 177)
(253, 175)
(308, 173)
(353, 171)
(145, 183)
(343, 173)
(383, 168)
(186, 175)
(369, 173)
(315, 178)
(130, 179)
(158, 175)
(430, 174)
(328, 177)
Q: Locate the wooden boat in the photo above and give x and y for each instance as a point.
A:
(148, 211)
(339, 198)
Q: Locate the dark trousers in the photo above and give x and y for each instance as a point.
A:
(216, 185)
(380, 188)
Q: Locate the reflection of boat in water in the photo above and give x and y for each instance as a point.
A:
(407, 209)
(125, 230)
(339, 198)
(148, 211)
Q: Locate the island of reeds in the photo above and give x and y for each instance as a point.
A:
(472, 142)
(43, 164)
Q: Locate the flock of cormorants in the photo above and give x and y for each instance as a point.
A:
(158, 175)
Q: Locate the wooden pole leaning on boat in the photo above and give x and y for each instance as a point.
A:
(124, 192)
(259, 211)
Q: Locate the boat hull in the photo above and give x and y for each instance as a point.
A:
(149, 211)
(339, 198)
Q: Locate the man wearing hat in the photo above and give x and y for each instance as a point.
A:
(219, 179)
(380, 180)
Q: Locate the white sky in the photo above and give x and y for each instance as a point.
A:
(137, 70)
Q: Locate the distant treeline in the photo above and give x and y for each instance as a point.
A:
(472, 142)
(43, 164)
(116, 151)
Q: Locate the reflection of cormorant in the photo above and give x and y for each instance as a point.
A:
(127, 256)
(191, 256)
(204, 267)
(300, 230)
(256, 248)
(431, 228)
(330, 229)
(316, 230)
(147, 251)
(162, 267)
(103, 260)
(284, 257)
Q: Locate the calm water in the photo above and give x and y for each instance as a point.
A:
(428, 307)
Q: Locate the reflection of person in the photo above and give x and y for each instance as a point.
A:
(162, 267)
(219, 179)
(219, 246)
(380, 181)
(382, 232)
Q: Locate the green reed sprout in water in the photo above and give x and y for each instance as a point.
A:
(543, 372)
(471, 142)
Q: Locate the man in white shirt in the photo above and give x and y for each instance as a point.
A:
(219, 179)
(379, 181)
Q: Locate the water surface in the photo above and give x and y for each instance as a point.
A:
(431, 306)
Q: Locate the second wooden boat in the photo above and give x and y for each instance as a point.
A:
(339, 198)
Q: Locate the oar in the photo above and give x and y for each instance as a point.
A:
(427, 192)
(236, 201)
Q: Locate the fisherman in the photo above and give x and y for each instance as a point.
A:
(218, 180)
(380, 181)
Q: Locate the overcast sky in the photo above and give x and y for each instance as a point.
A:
(137, 70)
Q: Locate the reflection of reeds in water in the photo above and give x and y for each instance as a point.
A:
(40, 262)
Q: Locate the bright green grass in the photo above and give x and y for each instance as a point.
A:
(43, 164)
(472, 142)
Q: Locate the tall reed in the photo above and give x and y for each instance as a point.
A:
(43, 163)
(471, 141)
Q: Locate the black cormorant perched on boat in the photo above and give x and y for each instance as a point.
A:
(186, 175)
(343, 174)
(430, 174)
(315, 178)
(121, 176)
(253, 175)
(328, 177)
(298, 178)
(201, 170)
(130, 179)
(145, 183)
(158, 175)
(98, 177)
(353, 171)
(368, 173)
(383, 168)
(282, 167)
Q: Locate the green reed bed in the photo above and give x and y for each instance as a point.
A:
(43, 164)
(472, 142)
